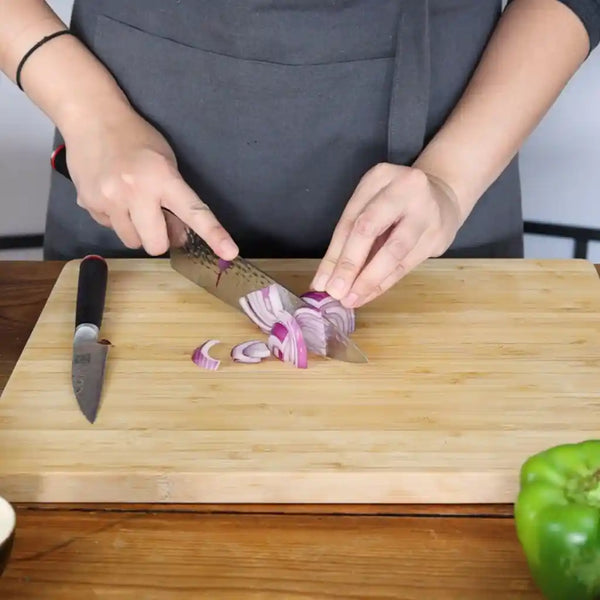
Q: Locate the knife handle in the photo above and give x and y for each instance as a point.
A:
(91, 290)
(58, 160)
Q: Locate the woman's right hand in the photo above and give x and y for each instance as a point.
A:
(125, 172)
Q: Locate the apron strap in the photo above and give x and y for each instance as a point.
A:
(409, 101)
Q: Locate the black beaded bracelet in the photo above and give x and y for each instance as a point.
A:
(33, 49)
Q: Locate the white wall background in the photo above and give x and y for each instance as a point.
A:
(560, 162)
(25, 147)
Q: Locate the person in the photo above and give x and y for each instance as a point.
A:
(372, 135)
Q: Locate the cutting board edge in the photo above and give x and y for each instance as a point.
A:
(433, 261)
(255, 487)
(63, 272)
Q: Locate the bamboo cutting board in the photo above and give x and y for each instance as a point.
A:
(473, 365)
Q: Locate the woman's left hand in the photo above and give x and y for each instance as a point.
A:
(397, 218)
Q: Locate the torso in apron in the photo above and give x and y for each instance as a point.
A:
(275, 109)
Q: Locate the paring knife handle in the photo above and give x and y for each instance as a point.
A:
(58, 160)
(91, 290)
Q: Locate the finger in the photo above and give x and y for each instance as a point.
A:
(420, 253)
(124, 228)
(98, 216)
(369, 185)
(101, 218)
(379, 242)
(384, 211)
(181, 199)
(403, 238)
(149, 222)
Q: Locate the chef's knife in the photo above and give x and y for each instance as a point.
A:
(191, 257)
(89, 353)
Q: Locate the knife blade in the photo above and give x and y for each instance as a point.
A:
(89, 353)
(191, 257)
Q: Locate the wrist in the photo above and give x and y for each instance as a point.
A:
(83, 111)
(443, 176)
(70, 85)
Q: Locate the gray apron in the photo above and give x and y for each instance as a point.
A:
(276, 108)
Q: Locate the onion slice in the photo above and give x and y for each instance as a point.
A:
(223, 266)
(286, 341)
(253, 351)
(343, 318)
(263, 307)
(202, 358)
(312, 324)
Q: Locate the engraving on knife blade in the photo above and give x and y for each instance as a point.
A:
(78, 383)
(82, 359)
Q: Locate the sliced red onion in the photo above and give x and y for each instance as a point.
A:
(343, 318)
(316, 298)
(263, 307)
(252, 351)
(223, 266)
(286, 342)
(202, 358)
(311, 323)
(340, 316)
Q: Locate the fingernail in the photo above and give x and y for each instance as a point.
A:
(229, 248)
(337, 287)
(319, 282)
(350, 300)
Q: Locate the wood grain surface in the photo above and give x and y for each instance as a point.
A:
(74, 556)
(473, 366)
(80, 551)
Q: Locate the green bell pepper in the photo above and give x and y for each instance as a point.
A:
(557, 520)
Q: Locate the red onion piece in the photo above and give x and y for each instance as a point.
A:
(340, 316)
(286, 342)
(316, 298)
(223, 266)
(253, 351)
(202, 358)
(313, 329)
(343, 318)
(251, 314)
(263, 307)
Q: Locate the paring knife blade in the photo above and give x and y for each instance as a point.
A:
(193, 258)
(89, 354)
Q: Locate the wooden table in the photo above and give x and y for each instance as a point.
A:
(238, 552)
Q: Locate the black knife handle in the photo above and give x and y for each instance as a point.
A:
(91, 290)
(58, 160)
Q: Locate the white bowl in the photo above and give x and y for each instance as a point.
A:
(8, 521)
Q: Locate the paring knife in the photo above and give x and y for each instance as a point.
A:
(191, 257)
(89, 353)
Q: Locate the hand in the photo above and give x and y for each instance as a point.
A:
(125, 172)
(397, 218)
